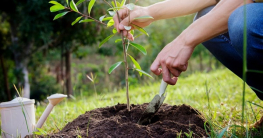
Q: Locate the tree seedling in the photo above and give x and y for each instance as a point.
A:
(114, 7)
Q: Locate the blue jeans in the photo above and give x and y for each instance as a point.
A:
(228, 47)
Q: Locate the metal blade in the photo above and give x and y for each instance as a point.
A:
(151, 109)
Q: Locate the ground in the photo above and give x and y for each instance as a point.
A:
(217, 94)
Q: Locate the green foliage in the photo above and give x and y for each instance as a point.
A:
(144, 73)
(60, 15)
(221, 134)
(56, 8)
(73, 6)
(91, 3)
(114, 66)
(139, 47)
(136, 64)
(77, 19)
(140, 29)
(79, 2)
(86, 21)
(105, 40)
(110, 23)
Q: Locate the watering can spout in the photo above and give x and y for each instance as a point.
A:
(53, 101)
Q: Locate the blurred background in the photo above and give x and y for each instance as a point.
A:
(42, 56)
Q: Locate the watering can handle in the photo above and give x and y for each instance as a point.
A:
(162, 88)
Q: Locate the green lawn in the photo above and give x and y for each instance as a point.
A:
(224, 88)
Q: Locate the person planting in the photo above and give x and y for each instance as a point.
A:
(219, 25)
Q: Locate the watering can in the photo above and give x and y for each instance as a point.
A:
(18, 116)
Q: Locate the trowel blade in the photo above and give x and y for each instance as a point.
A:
(151, 109)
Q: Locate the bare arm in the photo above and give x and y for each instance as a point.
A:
(160, 10)
(174, 57)
(213, 23)
(175, 8)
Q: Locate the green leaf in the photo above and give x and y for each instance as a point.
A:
(105, 40)
(56, 8)
(118, 4)
(80, 1)
(73, 6)
(86, 20)
(132, 32)
(138, 35)
(91, 3)
(118, 40)
(139, 47)
(37, 133)
(67, 2)
(144, 73)
(107, 18)
(130, 6)
(140, 29)
(101, 18)
(110, 23)
(123, 2)
(77, 19)
(55, 2)
(221, 134)
(114, 30)
(144, 17)
(113, 4)
(136, 64)
(114, 66)
(60, 15)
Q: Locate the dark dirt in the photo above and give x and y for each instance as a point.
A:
(116, 121)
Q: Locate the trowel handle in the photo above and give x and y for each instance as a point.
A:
(44, 116)
(162, 88)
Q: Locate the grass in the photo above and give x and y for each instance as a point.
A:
(222, 87)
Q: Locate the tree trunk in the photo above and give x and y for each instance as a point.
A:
(26, 89)
(21, 60)
(6, 85)
(68, 72)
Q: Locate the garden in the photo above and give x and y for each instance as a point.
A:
(65, 48)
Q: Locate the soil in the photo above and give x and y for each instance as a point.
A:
(116, 121)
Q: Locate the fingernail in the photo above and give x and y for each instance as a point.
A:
(121, 26)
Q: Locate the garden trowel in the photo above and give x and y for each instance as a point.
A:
(153, 106)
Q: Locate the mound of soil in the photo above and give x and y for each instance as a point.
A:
(116, 121)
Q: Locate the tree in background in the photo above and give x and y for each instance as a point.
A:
(33, 32)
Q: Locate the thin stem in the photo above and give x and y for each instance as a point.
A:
(126, 64)
(244, 63)
(108, 3)
(87, 16)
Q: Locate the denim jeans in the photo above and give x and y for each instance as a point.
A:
(228, 47)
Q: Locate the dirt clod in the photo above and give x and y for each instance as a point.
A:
(116, 121)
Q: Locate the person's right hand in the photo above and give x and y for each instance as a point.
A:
(127, 20)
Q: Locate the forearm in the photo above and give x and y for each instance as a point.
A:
(212, 24)
(175, 8)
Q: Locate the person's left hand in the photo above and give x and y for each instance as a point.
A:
(173, 60)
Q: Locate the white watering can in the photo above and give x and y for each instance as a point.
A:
(18, 116)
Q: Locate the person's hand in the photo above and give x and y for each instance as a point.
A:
(127, 20)
(173, 59)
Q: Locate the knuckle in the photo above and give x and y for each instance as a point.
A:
(163, 61)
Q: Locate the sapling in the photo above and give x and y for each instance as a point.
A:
(114, 7)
